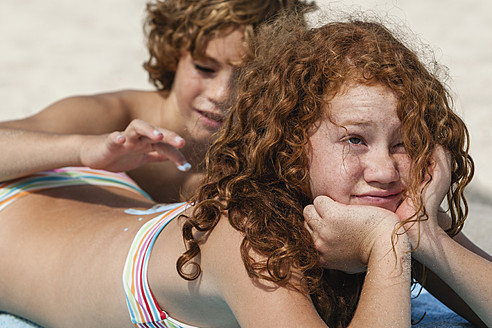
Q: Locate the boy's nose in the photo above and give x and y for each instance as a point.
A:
(218, 90)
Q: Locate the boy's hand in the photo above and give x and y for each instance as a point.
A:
(139, 144)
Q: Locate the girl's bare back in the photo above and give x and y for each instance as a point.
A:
(63, 252)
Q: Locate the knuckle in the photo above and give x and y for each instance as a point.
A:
(318, 244)
(308, 210)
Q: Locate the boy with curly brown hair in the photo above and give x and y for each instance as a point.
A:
(158, 137)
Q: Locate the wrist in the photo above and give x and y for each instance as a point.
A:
(74, 147)
(430, 245)
(390, 260)
(390, 243)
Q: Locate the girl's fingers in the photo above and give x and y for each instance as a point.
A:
(308, 228)
(324, 204)
(312, 220)
(440, 171)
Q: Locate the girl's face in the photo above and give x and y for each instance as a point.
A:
(201, 86)
(357, 156)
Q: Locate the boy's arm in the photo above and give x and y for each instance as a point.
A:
(93, 114)
(26, 152)
(85, 130)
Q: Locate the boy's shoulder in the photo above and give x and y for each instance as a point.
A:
(141, 104)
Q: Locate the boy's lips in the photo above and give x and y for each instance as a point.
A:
(211, 119)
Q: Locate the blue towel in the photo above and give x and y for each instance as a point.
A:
(437, 315)
(10, 321)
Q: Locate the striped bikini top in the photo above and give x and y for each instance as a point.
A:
(68, 176)
(143, 307)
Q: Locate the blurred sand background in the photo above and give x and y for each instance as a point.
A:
(55, 48)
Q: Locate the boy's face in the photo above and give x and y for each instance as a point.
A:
(201, 86)
(358, 156)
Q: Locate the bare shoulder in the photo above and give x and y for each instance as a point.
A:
(92, 114)
(253, 301)
(138, 103)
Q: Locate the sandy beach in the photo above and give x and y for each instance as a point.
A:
(53, 49)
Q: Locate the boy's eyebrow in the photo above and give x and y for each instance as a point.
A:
(205, 57)
(213, 61)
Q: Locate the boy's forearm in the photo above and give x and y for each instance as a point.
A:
(26, 152)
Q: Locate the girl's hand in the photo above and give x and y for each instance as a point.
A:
(139, 144)
(346, 235)
(434, 190)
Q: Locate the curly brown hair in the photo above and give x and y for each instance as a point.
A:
(257, 167)
(174, 26)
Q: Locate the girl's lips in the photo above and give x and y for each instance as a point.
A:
(389, 201)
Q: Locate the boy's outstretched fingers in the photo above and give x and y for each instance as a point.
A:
(164, 151)
(164, 143)
(139, 128)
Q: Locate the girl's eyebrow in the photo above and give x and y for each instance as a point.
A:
(357, 122)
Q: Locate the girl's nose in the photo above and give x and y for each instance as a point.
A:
(381, 167)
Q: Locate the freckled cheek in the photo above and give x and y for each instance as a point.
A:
(335, 177)
(404, 169)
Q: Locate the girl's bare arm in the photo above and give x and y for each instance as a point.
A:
(385, 298)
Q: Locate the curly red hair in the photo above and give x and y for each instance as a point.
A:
(174, 26)
(257, 166)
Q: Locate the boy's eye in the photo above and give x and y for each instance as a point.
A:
(204, 69)
(399, 147)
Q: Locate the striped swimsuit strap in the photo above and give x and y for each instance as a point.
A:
(68, 176)
(143, 307)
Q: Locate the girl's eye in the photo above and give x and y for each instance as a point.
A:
(204, 69)
(354, 141)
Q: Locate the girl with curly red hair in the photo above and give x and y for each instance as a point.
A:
(347, 118)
